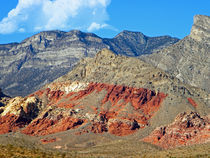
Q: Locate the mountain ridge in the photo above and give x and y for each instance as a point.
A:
(40, 59)
(189, 58)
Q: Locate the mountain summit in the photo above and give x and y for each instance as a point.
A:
(37, 60)
(188, 59)
(201, 29)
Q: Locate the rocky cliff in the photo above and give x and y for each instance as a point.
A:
(109, 96)
(188, 59)
(187, 129)
(27, 66)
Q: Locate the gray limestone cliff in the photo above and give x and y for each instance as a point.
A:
(188, 59)
(37, 60)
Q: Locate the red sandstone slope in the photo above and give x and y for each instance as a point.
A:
(110, 95)
(187, 129)
(18, 113)
(120, 110)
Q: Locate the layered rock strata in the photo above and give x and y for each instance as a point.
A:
(38, 60)
(108, 95)
(187, 129)
(188, 59)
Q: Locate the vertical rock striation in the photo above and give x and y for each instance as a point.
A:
(188, 59)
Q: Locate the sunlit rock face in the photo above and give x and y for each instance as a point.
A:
(119, 110)
(18, 112)
(187, 129)
(189, 58)
(40, 59)
(108, 96)
(201, 29)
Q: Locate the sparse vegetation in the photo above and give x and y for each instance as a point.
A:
(116, 149)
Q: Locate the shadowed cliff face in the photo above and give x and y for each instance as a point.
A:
(3, 99)
(29, 65)
(189, 58)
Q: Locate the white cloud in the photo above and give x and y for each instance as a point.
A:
(21, 30)
(95, 26)
(38, 15)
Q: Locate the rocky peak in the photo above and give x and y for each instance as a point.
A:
(136, 43)
(45, 35)
(201, 28)
(129, 35)
(105, 53)
(40, 41)
(50, 54)
(188, 59)
(76, 35)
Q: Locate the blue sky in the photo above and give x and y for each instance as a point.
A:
(20, 19)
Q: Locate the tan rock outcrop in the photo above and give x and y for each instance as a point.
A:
(18, 113)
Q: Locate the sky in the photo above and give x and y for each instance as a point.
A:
(20, 19)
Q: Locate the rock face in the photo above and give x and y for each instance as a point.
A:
(18, 113)
(109, 94)
(113, 106)
(112, 95)
(136, 43)
(187, 129)
(188, 59)
(201, 29)
(29, 65)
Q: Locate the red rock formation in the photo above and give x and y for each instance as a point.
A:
(187, 129)
(118, 96)
(18, 113)
(46, 126)
(55, 95)
(129, 107)
(122, 127)
(11, 123)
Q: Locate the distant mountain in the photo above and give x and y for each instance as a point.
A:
(27, 66)
(136, 43)
(188, 59)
